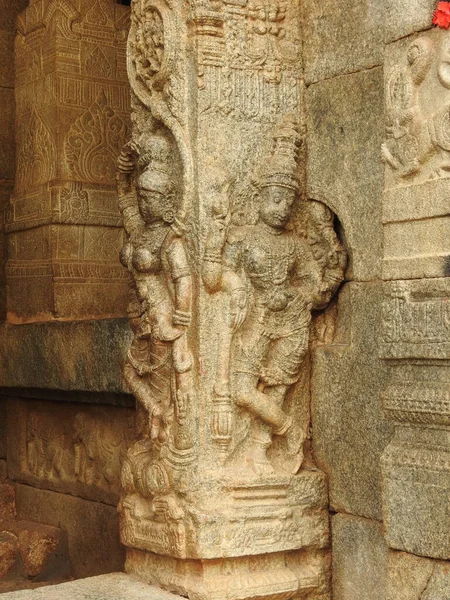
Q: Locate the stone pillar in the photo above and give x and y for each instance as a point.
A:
(72, 99)
(9, 13)
(416, 310)
(221, 498)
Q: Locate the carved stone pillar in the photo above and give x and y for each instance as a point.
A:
(416, 311)
(229, 259)
(72, 117)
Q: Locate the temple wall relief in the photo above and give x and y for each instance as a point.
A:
(72, 117)
(229, 262)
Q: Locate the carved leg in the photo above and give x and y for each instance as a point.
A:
(249, 396)
(268, 418)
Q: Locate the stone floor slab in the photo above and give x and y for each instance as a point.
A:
(114, 586)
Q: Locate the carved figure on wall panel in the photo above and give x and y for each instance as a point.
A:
(275, 277)
(45, 450)
(159, 367)
(418, 128)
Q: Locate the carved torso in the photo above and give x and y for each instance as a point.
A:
(270, 260)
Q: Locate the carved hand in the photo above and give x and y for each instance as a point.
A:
(238, 308)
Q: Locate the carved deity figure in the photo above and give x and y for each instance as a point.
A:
(158, 369)
(264, 269)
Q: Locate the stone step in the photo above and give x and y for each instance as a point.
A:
(32, 551)
(114, 586)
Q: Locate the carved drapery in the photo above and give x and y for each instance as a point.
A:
(229, 261)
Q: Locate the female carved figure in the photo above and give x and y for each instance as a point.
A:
(264, 268)
(159, 364)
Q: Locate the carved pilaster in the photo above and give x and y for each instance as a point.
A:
(228, 260)
(416, 311)
(72, 118)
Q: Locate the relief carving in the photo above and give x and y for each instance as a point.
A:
(232, 247)
(73, 451)
(159, 365)
(275, 278)
(418, 128)
(94, 141)
(36, 154)
(155, 255)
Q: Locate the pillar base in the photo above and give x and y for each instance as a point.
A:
(277, 576)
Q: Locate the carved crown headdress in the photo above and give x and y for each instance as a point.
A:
(280, 166)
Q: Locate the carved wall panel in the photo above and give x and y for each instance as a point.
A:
(417, 154)
(416, 318)
(228, 260)
(77, 450)
(72, 101)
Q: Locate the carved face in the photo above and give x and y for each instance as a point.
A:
(152, 205)
(276, 206)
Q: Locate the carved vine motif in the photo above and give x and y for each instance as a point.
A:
(418, 139)
(36, 154)
(157, 71)
(94, 141)
(274, 278)
(74, 204)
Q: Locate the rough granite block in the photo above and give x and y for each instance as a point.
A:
(349, 428)
(360, 557)
(115, 586)
(404, 17)
(342, 38)
(92, 528)
(345, 124)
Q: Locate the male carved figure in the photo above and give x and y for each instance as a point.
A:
(262, 267)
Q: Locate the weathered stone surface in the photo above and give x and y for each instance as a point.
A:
(342, 40)
(360, 556)
(42, 549)
(404, 17)
(8, 13)
(414, 578)
(416, 155)
(228, 260)
(84, 355)
(7, 58)
(69, 448)
(8, 555)
(72, 118)
(345, 123)
(91, 527)
(246, 576)
(2, 427)
(7, 155)
(29, 551)
(349, 428)
(7, 503)
(114, 586)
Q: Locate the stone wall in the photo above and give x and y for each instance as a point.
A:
(382, 372)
